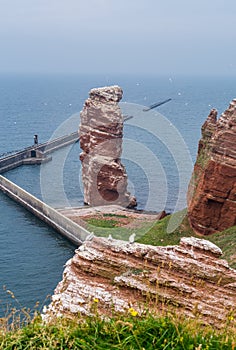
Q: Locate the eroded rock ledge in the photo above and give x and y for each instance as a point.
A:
(101, 131)
(212, 190)
(107, 274)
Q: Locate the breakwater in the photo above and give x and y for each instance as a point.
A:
(36, 154)
(66, 227)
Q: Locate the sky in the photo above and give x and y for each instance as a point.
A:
(191, 37)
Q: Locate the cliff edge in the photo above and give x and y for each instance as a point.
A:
(107, 275)
(212, 189)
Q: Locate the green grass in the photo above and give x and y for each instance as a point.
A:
(226, 240)
(101, 229)
(157, 235)
(203, 158)
(109, 215)
(120, 332)
(102, 223)
(112, 221)
(104, 227)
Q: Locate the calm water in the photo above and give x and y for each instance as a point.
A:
(31, 254)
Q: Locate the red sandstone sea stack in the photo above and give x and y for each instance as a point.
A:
(101, 131)
(212, 189)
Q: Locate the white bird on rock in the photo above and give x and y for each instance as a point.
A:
(81, 248)
(110, 238)
(131, 238)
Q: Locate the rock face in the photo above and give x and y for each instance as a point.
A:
(212, 190)
(101, 131)
(107, 274)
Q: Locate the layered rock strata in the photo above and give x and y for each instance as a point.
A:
(106, 275)
(101, 131)
(212, 189)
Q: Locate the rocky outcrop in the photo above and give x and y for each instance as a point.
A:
(101, 131)
(212, 190)
(106, 275)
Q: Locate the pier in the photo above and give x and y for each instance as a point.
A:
(66, 227)
(36, 154)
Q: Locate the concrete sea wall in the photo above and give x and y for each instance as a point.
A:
(69, 229)
(27, 156)
(58, 143)
(36, 154)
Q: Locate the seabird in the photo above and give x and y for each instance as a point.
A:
(131, 238)
(110, 237)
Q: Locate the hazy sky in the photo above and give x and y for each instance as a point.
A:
(124, 36)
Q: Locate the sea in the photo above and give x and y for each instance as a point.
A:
(159, 151)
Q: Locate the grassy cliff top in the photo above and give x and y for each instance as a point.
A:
(127, 331)
(155, 232)
(157, 235)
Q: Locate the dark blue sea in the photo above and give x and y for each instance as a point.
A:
(159, 150)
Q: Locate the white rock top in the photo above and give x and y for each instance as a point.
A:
(201, 244)
(107, 93)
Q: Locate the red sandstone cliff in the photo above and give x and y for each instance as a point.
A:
(101, 131)
(212, 189)
(107, 274)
